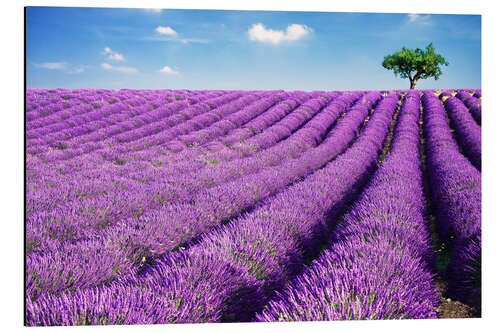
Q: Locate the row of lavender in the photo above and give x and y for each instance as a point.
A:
(326, 149)
(378, 265)
(52, 236)
(231, 271)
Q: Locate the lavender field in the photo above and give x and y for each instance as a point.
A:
(196, 206)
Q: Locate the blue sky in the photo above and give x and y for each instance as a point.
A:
(214, 49)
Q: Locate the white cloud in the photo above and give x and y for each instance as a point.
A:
(76, 70)
(54, 65)
(260, 33)
(165, 31)
(121, 69)
(419, 18)
(168, 70)
(62, 66)
(113, 55)
(154, 10)
(116, 56)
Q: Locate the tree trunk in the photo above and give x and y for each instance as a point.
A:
(413, 84)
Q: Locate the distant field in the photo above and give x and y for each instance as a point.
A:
(193, 206)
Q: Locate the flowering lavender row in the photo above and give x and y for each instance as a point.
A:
(132, 130)
(72, 189)
(41, 104)
(195, 123)
(468, 133)
(456, 196)
(48, 199)
(265, 247)
(149, 136)
(233, 282)
(376, 266)
(174, 225)
(259, 124)
(81, 162)
(96, 159)
(256, 126)
(210, 173)
(120, 205)
(473, 104)
(183, 222)
(444, 94)
(79, 190)
(119, 97)
(102, 114)
(225, 125)
(160, 112)
(209, 218)
(261, 142)
(75, 189)
(216, 281)
(76, 125)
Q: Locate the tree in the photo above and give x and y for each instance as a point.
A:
(415, 64)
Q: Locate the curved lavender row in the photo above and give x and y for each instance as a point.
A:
(122, 304)
(88, 161)
(83, 161)
(158, 95)
(200, 295)
(259, 124)
(445, 94)
(77, 125)
(110, 150)
(375, 267)
(473, 104)
(477, 94)
(96, 159)
(46, 107)
(37, 99)
(124, 107)
(51, 120)
(205, 120)
(288, 126)
(269, 244)
(206, 209)
(49, 198)
(72, 189)
(148, 137)
(127, 126)
(456, 194)
(256, 126)
(64, 114)
(179, 115)
(174, 224)
(294, 144)
(225, 125)
(160, 112)
(468, 133)
(79, 189)
(283, 128)
(157, 126)
(209, 208)
(272, 157)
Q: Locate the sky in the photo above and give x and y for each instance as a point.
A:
(116, 48)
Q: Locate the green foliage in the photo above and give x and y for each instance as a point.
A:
(415, 64)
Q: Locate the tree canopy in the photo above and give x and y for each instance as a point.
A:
(415, 64)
